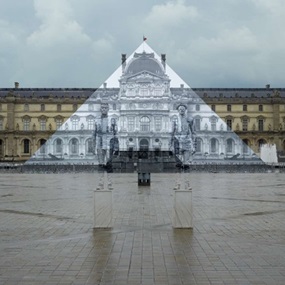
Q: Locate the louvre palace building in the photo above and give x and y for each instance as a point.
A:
(59, 123)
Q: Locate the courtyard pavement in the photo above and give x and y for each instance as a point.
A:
(47, 235)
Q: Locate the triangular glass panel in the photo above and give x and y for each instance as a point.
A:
(144, 114)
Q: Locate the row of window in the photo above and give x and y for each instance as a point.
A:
(43, 107)
(91, 107)
(244, 108)
(59, 107)
(245, 121)
(144, 124)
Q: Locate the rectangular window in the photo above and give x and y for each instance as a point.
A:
(58, 107)
(131, 124)
(1, 125)
(158, 123)
(197, 108)
(197, 124)
(244, 125)
(213, 108)
(42, 107)
(131, 92)
(90, 107)
(91, 124)
(229, 125)
(26, 126)
(260, 125)
(144, 92)
(75, 107)
(157, 92)
(75, 125)
(229, 148)
(260, 108)
(213, 126)
(229, 108)
(58, 123)
(198, 145)
(90, 146)
(244, 108)
(26, 107)
(26, 146)
(43, 125)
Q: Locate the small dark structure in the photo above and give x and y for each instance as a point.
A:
(143, 179)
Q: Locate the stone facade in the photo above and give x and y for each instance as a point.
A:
(144, 107)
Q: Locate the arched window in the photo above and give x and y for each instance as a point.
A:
(74, 146)
(58, 146)
(230, 146)
(197, 121)
(145, 124)
(199, 144)
(245, 145)
(42, 146)
(26, 146)
(89, 146)
(261, 142)
(1, 148)
(214, 145)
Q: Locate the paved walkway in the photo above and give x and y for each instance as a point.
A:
(46, 234)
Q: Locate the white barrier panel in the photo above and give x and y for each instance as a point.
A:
(103, 216)
(182, 211)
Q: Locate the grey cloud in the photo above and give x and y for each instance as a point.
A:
(79, 43)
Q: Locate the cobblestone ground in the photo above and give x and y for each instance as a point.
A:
(46, 234)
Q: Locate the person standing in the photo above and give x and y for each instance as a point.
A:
(102, 135)
(184, 136)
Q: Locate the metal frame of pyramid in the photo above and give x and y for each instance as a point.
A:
(143, 96)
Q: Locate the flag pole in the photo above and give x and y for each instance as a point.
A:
(144, 39)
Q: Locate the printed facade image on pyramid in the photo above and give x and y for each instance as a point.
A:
(144, 112)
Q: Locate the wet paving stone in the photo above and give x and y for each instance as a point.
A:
(47, 235)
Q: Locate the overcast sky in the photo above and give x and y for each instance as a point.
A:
(78, 43)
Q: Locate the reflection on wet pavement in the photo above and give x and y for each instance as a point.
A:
(46, 234)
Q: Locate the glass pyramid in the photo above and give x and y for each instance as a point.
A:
(144, 113)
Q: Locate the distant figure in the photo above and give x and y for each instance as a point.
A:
(184, 136)
(114, 142)
(105, 135)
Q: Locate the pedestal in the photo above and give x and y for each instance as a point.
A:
(182, 210)
(103, 209)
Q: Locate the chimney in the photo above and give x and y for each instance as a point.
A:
(267, 86)
(17, 85)
(124, 58)
(163, 59)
